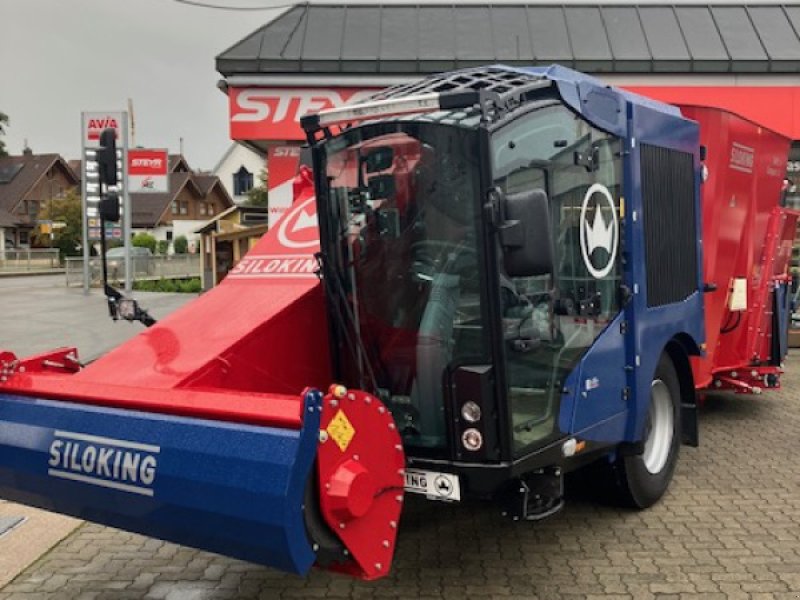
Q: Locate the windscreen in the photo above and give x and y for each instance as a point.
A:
(403, 211)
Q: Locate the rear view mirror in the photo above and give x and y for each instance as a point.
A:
(525, 234)
(379, 159)
(107, 157)
(109, 207)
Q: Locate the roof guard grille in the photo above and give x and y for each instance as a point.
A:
(492, 79)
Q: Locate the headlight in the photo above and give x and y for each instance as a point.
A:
(472, 439)
(471, 412)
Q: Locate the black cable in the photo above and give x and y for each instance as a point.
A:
(728, 328)
(336, 295)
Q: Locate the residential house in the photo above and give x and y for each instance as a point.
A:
(239, 170)
(192, 199)
(227, 237)
(27, 182)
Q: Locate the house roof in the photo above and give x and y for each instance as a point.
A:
(413, 39)
(19, 174)
(76, 165)
(211, 224)
(147, 208)
(7, 219)
(177, 162)
(206, 182)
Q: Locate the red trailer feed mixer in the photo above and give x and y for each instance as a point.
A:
(489, 278)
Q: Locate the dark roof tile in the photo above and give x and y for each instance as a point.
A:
(408, 39)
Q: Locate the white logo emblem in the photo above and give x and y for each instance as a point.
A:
(598, 234)
(105, 462)
(300, 219)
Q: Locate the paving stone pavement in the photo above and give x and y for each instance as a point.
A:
(728, 528)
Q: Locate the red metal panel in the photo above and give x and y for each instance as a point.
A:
(223, 405)
(775, 107)
(243, 351)
(744, 237)
(361, 462)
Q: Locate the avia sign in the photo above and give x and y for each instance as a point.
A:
(95, 122)
(273, 114)
(148, 170)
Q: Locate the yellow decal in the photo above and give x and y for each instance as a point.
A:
(341, 430)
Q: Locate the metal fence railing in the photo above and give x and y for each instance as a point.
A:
(36, 259)
(176, 266)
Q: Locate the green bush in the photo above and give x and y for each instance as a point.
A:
(145, 240)
(163, 246)
(184, 286)
(181, 244)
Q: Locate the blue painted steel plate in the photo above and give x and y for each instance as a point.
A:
(229, 488)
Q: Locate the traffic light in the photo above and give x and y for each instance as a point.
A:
(107, 156)
(109, 207)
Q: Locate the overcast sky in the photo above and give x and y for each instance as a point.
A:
(61, 57)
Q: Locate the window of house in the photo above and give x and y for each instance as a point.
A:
(174, 207)
(169, 235)
(33, 207)
(202, 208)
(242, 181)
(184, 208)
(24, 239)
(211, 209)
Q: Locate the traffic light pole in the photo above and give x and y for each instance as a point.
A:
(127, 215)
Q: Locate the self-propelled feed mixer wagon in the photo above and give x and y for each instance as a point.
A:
(515, 272)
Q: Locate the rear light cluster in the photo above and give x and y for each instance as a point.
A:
(471, 438)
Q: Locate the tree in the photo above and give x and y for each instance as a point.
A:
(67, 211)
(144, 240)
(259, 195)
(3, 125)
(163, 247)
(181, 244)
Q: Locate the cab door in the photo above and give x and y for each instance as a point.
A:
(552, 322)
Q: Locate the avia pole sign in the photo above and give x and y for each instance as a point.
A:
(92, 124)
(148, 171)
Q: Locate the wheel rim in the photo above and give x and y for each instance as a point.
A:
(660, 426)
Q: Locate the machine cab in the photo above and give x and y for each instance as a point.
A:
(471, 251)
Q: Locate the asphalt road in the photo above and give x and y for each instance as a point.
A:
(728, 528)
(40, 313)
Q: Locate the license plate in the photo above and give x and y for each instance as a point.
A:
(436, 486)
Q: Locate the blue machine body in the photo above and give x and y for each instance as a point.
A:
(225, 487)
(625, 362)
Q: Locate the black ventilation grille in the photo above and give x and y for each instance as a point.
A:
(669, 225)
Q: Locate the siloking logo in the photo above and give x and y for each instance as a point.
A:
(742, 158)
(599, 239)
(105, 462)
(288, 250)
(274, 113)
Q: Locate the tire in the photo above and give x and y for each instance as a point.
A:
(644, 478)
